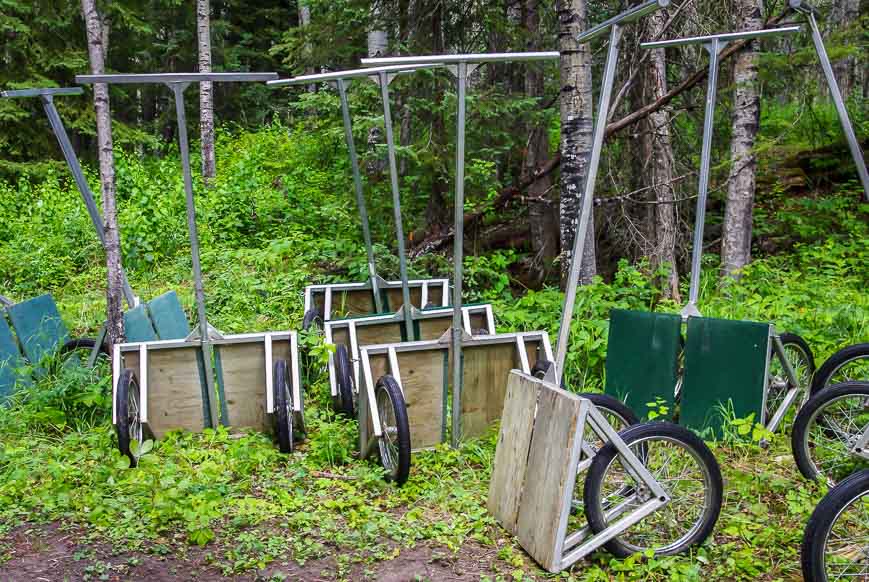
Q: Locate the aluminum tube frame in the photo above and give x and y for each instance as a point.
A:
(346, 75)
(713, 47)
(723, 38)
(836, 94)
(360, 196)
(87, 195)
(204, 338)
(470, 59)
(631, 15)
(587, 199)
(383, 79)
(174, 78)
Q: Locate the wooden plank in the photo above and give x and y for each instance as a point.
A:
(396, 299)
(479, 323)
(550, 476)
(423, 374)
(435, 295)
(511, 452)
(353, 302)
(485, 372)
(432, 328)
(378, 333)
(174, 390)
(534, 348)
(340, 335)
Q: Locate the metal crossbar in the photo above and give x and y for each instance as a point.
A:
(146, 78)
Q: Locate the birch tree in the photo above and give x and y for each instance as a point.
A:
(736, 237)
(97, 30)
(576, 132)
(206, 94)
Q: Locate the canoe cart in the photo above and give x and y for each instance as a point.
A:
(206, 379)
(348, 335)
(406, 386)
(374, 296)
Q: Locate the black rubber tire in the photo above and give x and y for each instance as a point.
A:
(126, 385)
(82, 343)
(283, 406)
(822, 520)
(802, 456)
(612, 405)
(796, 340)
(597, 472)
(540, 367)
(834, 362)
(344, 382)
(388, 385)
(798, 343)
(312, 317)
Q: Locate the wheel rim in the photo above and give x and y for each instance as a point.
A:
(596, 443)
(855, 369)
(831, 432)
(685, 478)
(134, 422)
(388, 442)
(846, 545)
(779, 384)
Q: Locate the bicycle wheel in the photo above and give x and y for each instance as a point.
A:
(850, 364)
(312, 318)
(836, 540)
(283, 407)
(801, 359)
(344, 379)
(395, 442)
(826, 430)
(682, 464)
(129, 425)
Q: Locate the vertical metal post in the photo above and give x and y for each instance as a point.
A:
(360, 197)
(836, 94)
(205, 340)
(383, 79)
(714, 48)
(587, 199)
(458, 252)
(86, 194)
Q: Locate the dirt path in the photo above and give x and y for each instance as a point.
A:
(49, 553)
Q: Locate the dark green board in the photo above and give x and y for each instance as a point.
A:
(642, 358)
(724, 361)
(13, 372)
(170, 321)
(39, 328)
(137, 325)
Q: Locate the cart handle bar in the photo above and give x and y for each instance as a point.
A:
(348, 74)
(40, 92)
(174, 78)
(626, 17)
(478, 58)
(802, 7)
(719, 37)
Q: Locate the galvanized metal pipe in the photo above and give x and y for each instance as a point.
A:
(383, 79)
(360, 196)
(836, 94)
(587, 199)
(722, 39)
(473, 58)
(458, 252)
(626, 17)
(348, 74)
(137, 78)
(714, 47)
(205, 340)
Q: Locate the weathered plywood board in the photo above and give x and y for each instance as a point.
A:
(352, 302)
(435, 294)
(511, 452)
(174, 389)
(244, 382)
(550, 476)
(479, 322)
(396, 299)
(432, 328)
(423, 374)
(341, 335)
(378, 333)
(485, 372)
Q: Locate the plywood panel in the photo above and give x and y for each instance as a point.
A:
(433, 328)
(479, 324)
(550, 477)
(341, 335)
(485, 372)
(423, 374)
(396, 299)
(353, 302)
(534, 349)
(378, 333)
(174, 390)
(244, 384)
(511, 452)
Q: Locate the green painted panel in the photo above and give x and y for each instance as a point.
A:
(170, 321)
(137, 325)
(39, 328)
(725, 362)
(13, 367)
(642, 358)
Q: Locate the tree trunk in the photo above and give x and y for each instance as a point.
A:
(304, 22)
(736, 237)
(661, 164)
(97, 39)
(542, 216)
(576, 133)
(378, 46)
(843, 15)
(206, 95)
